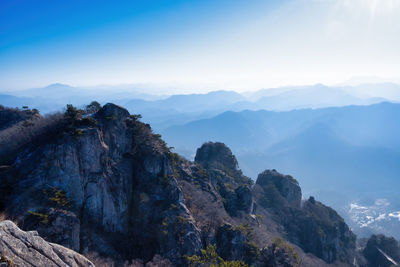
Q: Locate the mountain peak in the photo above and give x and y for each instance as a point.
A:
(287, 186)
(216, 155)
(58, 85)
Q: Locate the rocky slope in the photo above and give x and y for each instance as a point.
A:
(11, 116)
(101, 183)
(19, 248)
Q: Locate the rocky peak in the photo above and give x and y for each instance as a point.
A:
(221, 164)
(286, 185)
(113, 112)
(216, 156)
(105, 184)
(222, 169)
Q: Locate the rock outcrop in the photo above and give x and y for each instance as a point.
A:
(19, 248)
(223, 169)
(217, 156)
(234, 243)
(108, 174)
(319, 230)
(103, 184)
(286, 185)
(314, 227)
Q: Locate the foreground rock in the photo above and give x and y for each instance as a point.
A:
(19, 248)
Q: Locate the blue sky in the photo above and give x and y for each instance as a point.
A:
(231, 44)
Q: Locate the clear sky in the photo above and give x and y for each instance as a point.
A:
(226, 44)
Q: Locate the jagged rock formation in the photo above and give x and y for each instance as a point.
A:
(313, 226)
(286, 186)
(219, 157)
(222, 169)
(103, 183)
(115, 177)
(19, 248)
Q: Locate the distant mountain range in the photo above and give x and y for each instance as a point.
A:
(340, 155)
(163, 111)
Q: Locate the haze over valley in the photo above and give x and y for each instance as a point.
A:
(229, 133)
(337, 140)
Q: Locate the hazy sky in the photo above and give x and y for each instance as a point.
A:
(231, 44)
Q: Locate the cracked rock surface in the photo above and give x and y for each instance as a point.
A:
(19, 248)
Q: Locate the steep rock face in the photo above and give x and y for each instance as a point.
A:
(318, 229)
(286, 185)
(314, 227)
(114, 176)
(19, 248)
(217, 156)
(244, 198)
(382, 251)
(63, 228)
(222, 168)
(233, 243)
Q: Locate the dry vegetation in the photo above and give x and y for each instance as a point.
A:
(5, 261)
(100, 261)
(11, 116)
(3, 216)
(23, 133)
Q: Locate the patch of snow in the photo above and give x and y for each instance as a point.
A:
(395, 214)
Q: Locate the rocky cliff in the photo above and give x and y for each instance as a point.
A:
(104, 183)
(314, 227)
(100, 182)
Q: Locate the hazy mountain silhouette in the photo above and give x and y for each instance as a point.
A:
(163, 111)
(351, 152)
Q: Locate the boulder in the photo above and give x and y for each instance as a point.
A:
(19, 248)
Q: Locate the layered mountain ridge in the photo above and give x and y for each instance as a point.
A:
(104, 185)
